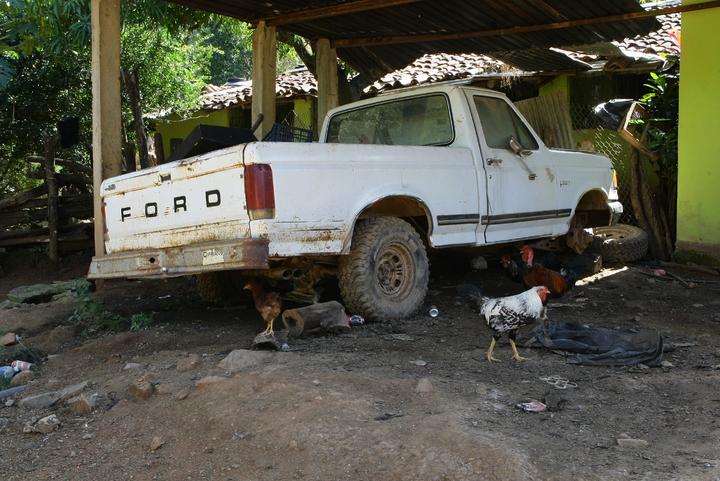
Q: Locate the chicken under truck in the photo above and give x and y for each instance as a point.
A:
(431, 167)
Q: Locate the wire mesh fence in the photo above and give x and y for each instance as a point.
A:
(592, 136)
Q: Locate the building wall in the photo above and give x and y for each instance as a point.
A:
(698, 229)
(175, 127)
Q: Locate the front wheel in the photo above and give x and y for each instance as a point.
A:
(385, 276)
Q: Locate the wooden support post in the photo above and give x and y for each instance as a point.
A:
(53, 252)
(264, 77)
(107, 147)
(327, 77)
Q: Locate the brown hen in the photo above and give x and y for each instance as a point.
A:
(268, 304)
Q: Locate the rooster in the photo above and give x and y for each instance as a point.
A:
(508, 314)
(533, 270)
(518, 264)
(268, 304)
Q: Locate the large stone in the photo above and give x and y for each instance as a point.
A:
(72, 391)
(40, 293)
(83, 404)
(8, 339)
(188, 363)
(22, 378)
(47, 425)
(40, 401)
(141, 389)
(242, 359)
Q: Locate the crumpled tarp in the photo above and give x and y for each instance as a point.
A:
(598, 346)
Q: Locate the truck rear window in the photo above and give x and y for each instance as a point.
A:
(422, 120)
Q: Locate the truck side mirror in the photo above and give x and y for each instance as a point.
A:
(517, 148)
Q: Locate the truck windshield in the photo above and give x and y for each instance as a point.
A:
(422, 120)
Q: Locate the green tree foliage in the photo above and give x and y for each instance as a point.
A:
(45, 69)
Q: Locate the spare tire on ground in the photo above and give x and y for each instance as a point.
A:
(620, 243)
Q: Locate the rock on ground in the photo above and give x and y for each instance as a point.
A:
(141, 389)
(39, 293)
(156, 443)
(8, 339)
(629, 443)
(22, 378)
(83, 404)
(46, 425)
(72, 391)
(40, 401)
(188, 363)
(241, 359)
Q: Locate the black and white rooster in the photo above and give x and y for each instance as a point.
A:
(508, 314)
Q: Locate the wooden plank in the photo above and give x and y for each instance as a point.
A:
(263, 77)
(549, 115)
(345, 8)
(501, 32)
(327, 76)
(107, 131)
(22, 197)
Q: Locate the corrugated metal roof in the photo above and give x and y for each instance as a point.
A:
(446, 16)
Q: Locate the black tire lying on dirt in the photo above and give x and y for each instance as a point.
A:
(385, 276)
(620, 243)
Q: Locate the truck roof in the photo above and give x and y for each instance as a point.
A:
(444, 87)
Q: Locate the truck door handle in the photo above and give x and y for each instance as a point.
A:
(494, 161)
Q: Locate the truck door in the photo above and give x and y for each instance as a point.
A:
(521, 183)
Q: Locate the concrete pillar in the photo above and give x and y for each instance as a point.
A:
(327, 77)
(264, 76)
(107, 145)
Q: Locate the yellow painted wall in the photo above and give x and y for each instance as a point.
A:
(561, 83)
(698, 228)
(175, 127)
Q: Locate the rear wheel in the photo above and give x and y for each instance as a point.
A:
(386, 274)
(221, 287)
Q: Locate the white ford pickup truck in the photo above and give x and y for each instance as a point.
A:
(440, 166)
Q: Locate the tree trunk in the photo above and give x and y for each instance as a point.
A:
(51, 142)
(131, 81)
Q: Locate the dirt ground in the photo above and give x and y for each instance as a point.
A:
(347, 407)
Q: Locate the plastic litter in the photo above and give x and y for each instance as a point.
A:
(7, 372)
(21, 366)
(532, 406)
(285, 347)
(434, 312)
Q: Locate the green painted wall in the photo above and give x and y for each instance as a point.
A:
(698, 229)
(175, 127)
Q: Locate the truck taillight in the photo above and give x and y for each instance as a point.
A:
(615, 179)
(259, 191)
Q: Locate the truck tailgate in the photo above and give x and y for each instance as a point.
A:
(196, 200)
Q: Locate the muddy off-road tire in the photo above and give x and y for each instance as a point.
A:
(385, 276)
(620, 243)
